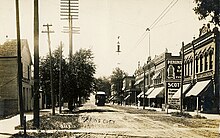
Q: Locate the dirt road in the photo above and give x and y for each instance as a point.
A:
(127, 121)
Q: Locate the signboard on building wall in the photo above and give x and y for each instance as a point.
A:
(173, 85)
(173, 69)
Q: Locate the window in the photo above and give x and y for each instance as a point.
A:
(206, 62)
(210, 60)
(197, 64)
(191, 67)
(201, 63)
(28, 72)
(188, 68)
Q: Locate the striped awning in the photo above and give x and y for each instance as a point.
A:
(177, 94)
(198, 88)
(156, 92)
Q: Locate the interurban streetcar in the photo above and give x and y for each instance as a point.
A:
(100, 98)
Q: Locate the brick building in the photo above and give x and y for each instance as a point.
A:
(201, 73)
(162, 79)
(129, 90)
(9, 103)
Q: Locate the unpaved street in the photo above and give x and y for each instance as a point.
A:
(128, 121)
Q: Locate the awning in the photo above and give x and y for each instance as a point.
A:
(139, 95)
(197, 88)
(148, 92)
(177, 94)
(155, 92)
(138, 81)
(126, 97)
(156, 75)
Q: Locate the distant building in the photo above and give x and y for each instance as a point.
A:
(166, 79)
(9, 103)
(129, 90)
(162, 80)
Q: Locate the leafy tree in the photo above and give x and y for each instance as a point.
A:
(81, 77)
(208, 8)
(77, 76)
(103, 84)
(45, 74)
(116, 81)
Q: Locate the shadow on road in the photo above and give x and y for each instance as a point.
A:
(94, 110)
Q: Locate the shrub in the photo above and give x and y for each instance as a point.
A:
(181, 114)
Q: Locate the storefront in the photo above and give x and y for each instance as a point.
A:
(201, 70)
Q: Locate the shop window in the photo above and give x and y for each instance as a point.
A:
(201, 63)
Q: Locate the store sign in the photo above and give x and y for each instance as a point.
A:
(173, 69)
(173, 85)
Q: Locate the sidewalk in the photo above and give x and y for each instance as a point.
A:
(7, 126)
(208, 116)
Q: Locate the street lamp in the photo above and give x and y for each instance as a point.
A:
(148, 30)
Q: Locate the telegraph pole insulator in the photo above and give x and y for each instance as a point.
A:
(69, 10)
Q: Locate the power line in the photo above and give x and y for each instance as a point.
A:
(165, 11)
(163, 14)
(158, 19)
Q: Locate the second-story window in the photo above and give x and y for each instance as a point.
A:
(188, 68)
(206, 62)
(197, 64)
(185, 69)
(210, 60)
(201, 63)
(191, 67)
(28, 71)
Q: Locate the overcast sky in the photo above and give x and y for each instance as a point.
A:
(101, 22)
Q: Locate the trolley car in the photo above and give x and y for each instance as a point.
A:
(100, 98)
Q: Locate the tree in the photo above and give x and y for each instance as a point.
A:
(208, 8)
(77, 77)
(45, 74)
(116, 81)
(80, 77)
(103, 84)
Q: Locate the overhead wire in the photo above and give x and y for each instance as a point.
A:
(158, 19)
(164, 12)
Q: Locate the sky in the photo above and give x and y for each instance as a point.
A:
(101, 22)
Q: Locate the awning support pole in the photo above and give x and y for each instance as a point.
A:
(197, 105)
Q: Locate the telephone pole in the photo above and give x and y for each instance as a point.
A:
(182, 78)
(69, 11)
(51, 67)
(144, 88)
(60, 78)
(20, 73)
(36, 66)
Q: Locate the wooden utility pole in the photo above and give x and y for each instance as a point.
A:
(36, 66)
(60, 78)
(182, 78)
(144, 88)
(51, 67)
(19, 73)
(70, 11)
